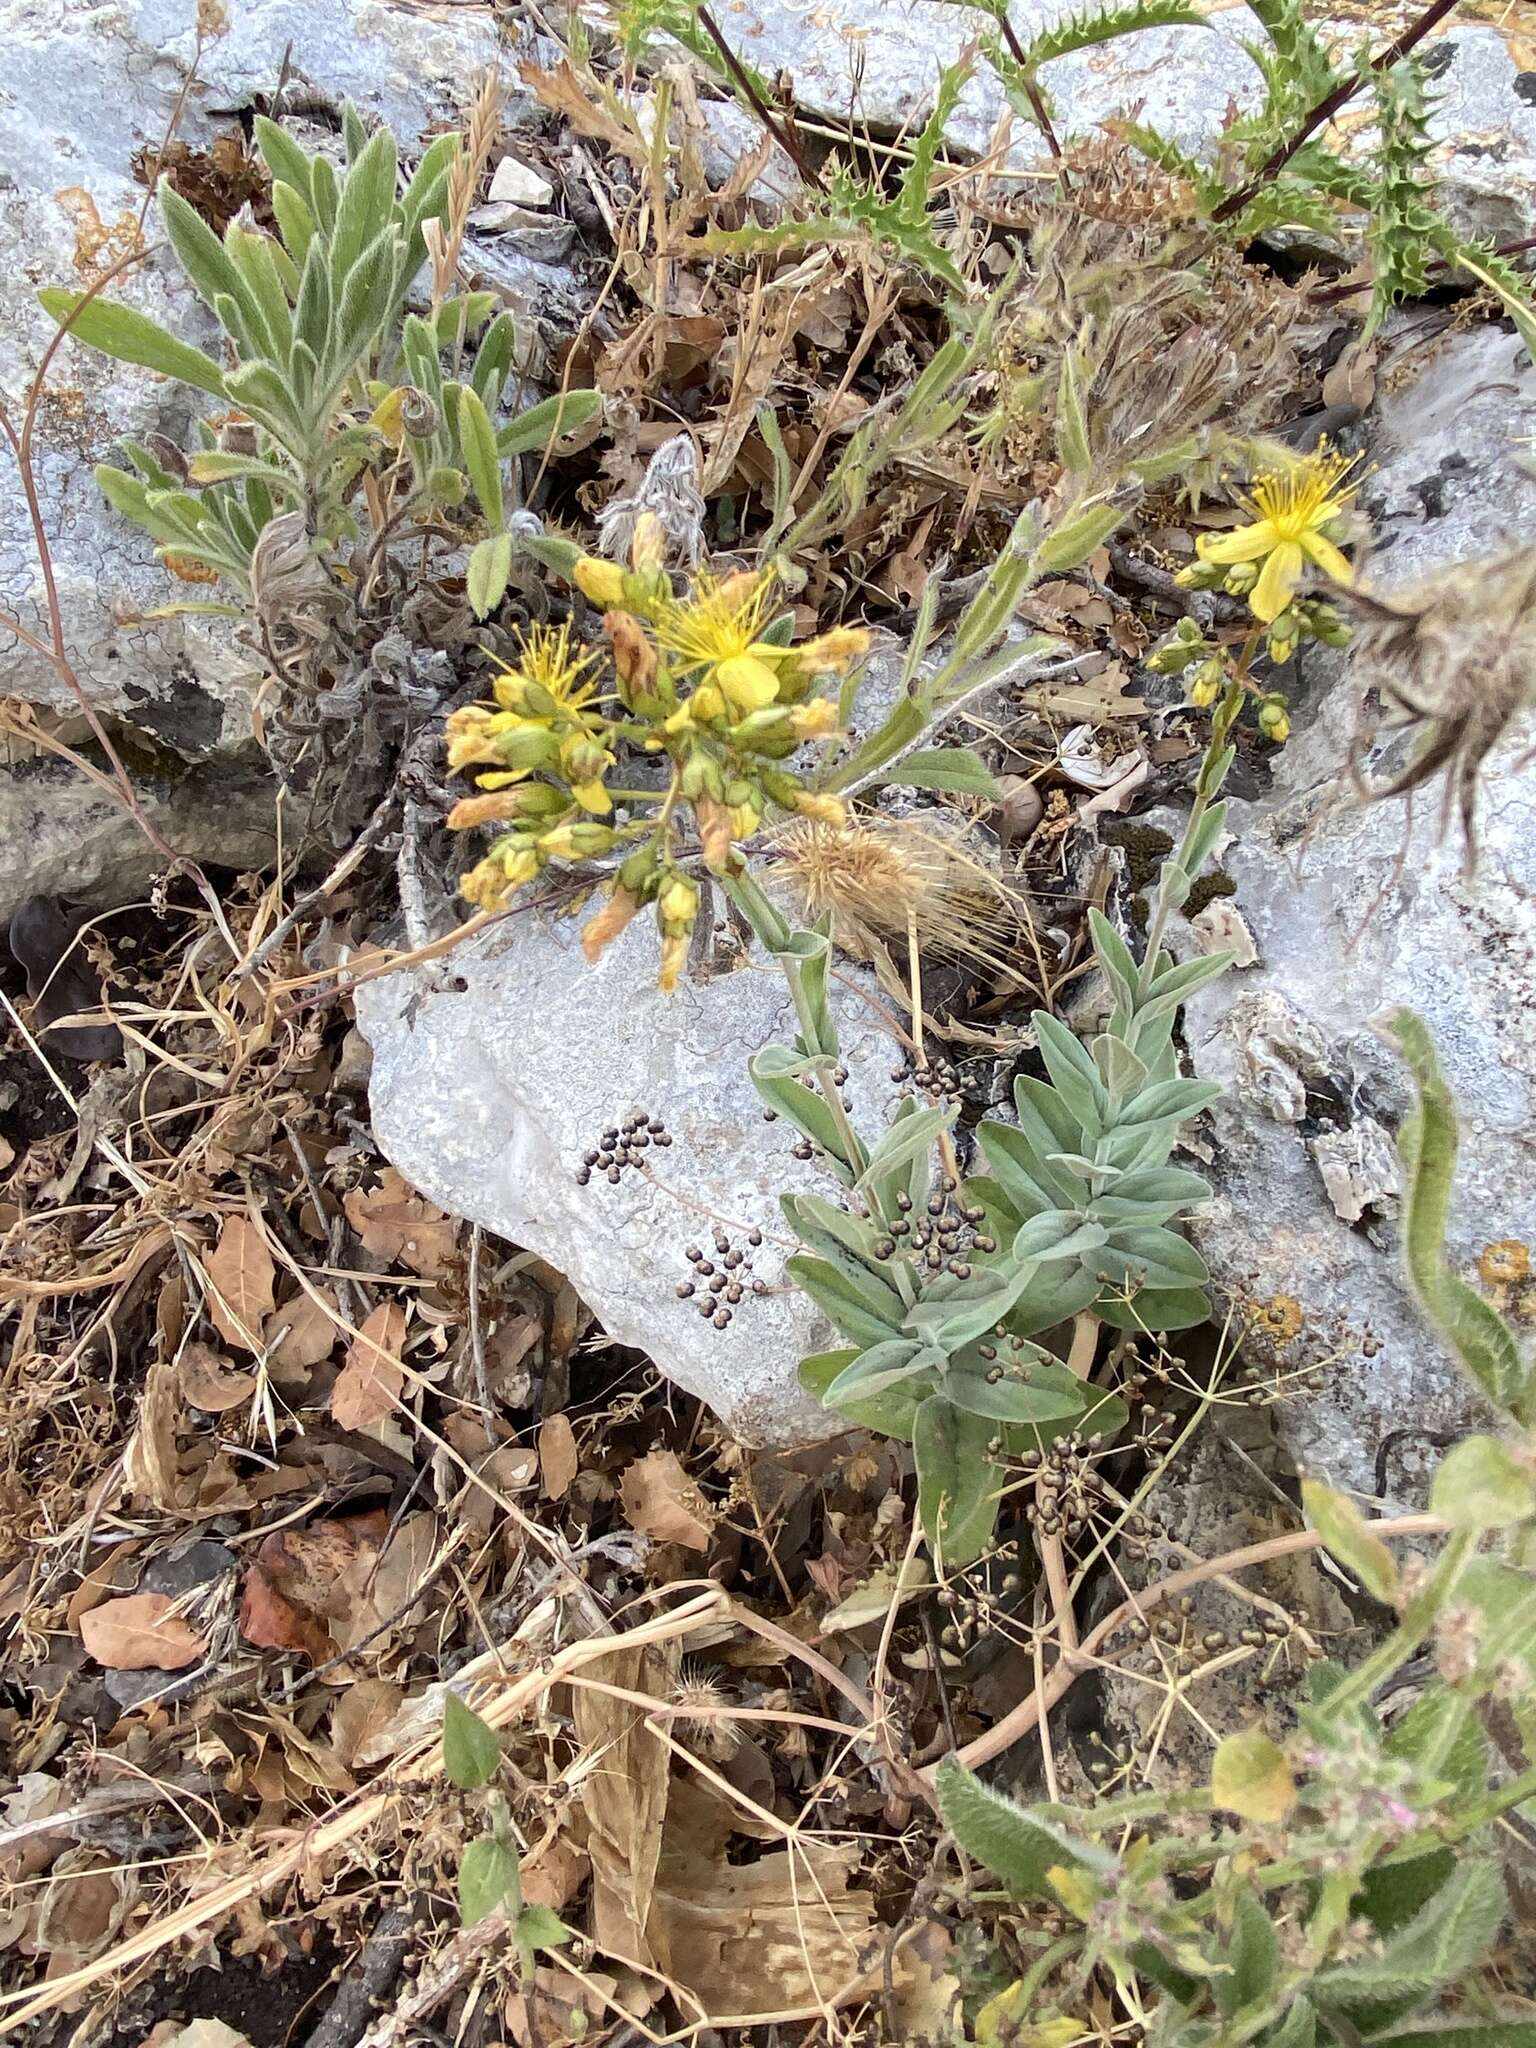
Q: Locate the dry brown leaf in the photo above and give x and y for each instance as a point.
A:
(662, 1502)
(212, 1382)
(1352, 380)
(369, 1383)
(150, 1464)
(140, 1633)
(240, 1274)
(558, 1459)
(625, 1798)
(302, 1577)
(361, 1713)
(302, 1332)
(395, 1223)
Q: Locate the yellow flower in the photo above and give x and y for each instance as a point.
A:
(549, 672)
(493, 881)
(609, 921)
(1291, 510)
(716, 629)
(832, 653)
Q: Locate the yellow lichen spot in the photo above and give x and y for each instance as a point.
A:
(187, 568)
(1504, 1263)
(1279, 1318)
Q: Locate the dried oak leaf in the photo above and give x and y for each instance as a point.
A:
(369, 1384)
(240, 1273)
(302, 1332)
(302, 1578)
(662, 1502)
(140, 1633)
(394, 1222)
(211, 1382)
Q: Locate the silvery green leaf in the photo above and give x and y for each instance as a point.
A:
(1008, 1400)
(912, 1137)
(881, 1369)
(1061, 1234)
(1181, 1099)
(131, 337)
(1019, 1163)
(201, 254)
(294, 219)
(1051, 1295)
(952, 1316)
(817, 1221)
(362, 305)
(1202, 841)
(535, 429)
(490, 564)
(1174, 884)
(312, 315)
(477, 440)
(1021, 1847)
(1154, 1308)
(324, 193)
(282, 156)
(1114, 957)
(1177, 984)
(366, 208)
(1149, 1256)
(1122, 1072)
(958, 1486)
(845, 1299)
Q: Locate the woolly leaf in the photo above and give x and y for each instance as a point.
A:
(958, 1485)
(131, 337)
(1017, 1845)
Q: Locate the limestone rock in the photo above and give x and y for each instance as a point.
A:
(486, 1096)
(1353, 916)
(880, 60)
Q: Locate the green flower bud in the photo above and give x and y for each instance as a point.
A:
(1241, 578)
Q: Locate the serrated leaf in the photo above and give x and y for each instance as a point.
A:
(471, 1747)
(488, 1878)
(130, 337)
(1251, 1778)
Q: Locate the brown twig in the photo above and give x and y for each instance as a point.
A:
(1022, 1718)
(1032, 91)
(787, 141)
(1333, 103)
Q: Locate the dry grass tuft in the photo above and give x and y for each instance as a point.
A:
(884, 880)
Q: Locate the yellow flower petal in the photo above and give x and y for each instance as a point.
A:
(1327, 557)
(1277, 580)
(592, 797)
(748, 682)
(1243, 544)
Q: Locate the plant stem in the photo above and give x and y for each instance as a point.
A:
(1207, 788)
(1331, 104)
(1418, 1618)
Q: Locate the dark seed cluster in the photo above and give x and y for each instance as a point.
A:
(939, 1237)
(623, 1145)
(935, 1077)
(721, 1283)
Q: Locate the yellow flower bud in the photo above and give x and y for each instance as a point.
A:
(578, 841)
(714, 821)
(678, 905)
(674, 951)
(648, 549)
(599, 581)
(826, 810)
(833, 653)
(705, 705)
